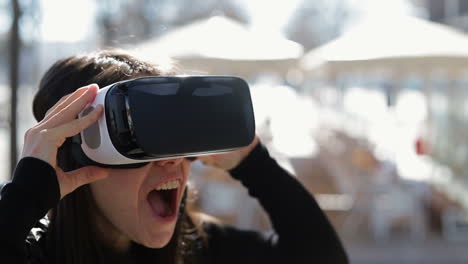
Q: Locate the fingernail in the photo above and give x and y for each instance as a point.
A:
(93, 84)
(88, 88)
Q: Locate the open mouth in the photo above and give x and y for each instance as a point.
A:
(163, 199)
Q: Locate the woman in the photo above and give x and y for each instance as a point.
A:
(103, 215)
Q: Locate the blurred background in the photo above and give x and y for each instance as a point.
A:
(364, 101)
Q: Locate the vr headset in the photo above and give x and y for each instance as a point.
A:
(156, 118)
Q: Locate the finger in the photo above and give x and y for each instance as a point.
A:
(72, 180)
(76, 100)
(57, 105)
(87, 175)
(76, 126)
(207, 160)
(70, 111)
(65, 100)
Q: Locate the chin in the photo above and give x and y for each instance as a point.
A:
(159, 241)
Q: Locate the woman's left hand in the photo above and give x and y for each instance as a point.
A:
(228, 161)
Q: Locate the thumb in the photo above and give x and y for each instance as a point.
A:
(207, 160)
(72, 180)
(87, 175)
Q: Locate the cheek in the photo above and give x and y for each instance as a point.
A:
(117, 198)
(186, 167)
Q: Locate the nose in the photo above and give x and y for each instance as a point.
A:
(169, 162)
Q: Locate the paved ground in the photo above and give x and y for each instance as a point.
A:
(407, 252)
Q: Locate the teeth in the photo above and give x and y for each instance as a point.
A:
(169, 185)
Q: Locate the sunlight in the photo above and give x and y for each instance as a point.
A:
(291, 119)
(411, 107)
(59, 25)
(367, 104)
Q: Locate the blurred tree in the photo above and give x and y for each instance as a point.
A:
(316, 22)
(122, 21)
(20, 45)
(125, 22)
(15, 47)
(5, 13)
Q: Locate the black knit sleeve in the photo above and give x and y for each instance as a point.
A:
(303, 233)
(25, 200)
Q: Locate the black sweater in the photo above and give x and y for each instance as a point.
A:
(302, 232)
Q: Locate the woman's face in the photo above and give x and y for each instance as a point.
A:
(142, 204)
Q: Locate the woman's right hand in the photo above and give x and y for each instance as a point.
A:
(43, 140)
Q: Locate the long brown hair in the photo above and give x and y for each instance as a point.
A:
(71, 237)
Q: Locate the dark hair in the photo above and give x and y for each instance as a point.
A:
(71, 236)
